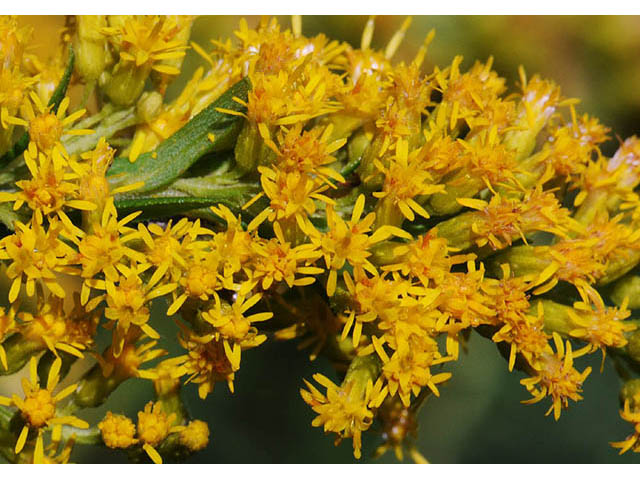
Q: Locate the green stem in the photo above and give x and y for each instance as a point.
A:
(112, 124)
(86, 436)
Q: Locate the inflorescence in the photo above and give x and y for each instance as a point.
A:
(297, 188)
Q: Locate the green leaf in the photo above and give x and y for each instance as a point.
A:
(58, 95)
(177, 153)
(173, 201)
(61, 89)
(162, 207)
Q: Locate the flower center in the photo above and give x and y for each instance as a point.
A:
(45, 130)
(39, 408)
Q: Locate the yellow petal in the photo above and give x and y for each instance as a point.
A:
(22, 439)
(153, 453)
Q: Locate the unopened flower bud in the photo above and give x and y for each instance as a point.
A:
(148, 106)
(631, 391)
(627, 287)
(195, 436)
(633, 347)
(126, 83)
(90, 47)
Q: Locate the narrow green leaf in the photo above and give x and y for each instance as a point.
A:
(61, 89)
(228, 192)
(176, 154)
(162, 207)
(176, 201)
(58, 94)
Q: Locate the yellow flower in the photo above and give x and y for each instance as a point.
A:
(127, 304)
(38, 408)
(349, 241)
(167, 249)
(36, 256)
(153, 427)
(598, 324)
(52, 188)
(426, 258)
(307, 152)
(463, 298)
(127, 364)
(343, 410)
(288, 98)
(408, 96)
(206, 363)
(275, 260)
(404, 179)
(466, 95)
(147, 40)
(632, 441)
(143, 44)
(539, 101)
(604, 250)
(104, 249)
(418, 314)
(503, 219)
(234, 328)
(46, 128)
(14, 88)
(554, 376)
(523, 331)
(200, 280)
(373, 297)
(571, 260)
(92, 183)
(408, 369)
(195, 436)
(268, 49)
(292, 196)
(117, 431)
(603, 179)
(572, 145)
(234, 246)
(57, 328)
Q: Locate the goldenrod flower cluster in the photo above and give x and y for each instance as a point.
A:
(297, 188)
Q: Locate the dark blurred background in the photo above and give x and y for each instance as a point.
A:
(478, 418)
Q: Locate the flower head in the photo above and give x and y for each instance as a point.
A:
(46, 128)
(555, 376)
(343, 410)
(195, 436)
(38, 407)
(147, 40)
(117, 431)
